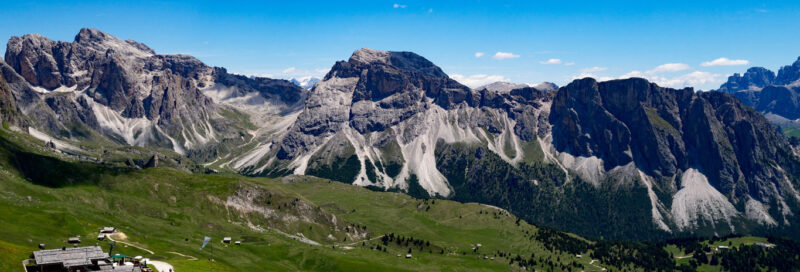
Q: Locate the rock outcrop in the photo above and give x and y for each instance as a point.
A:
(128, 93)
(9, 112)
(666, 132)
(777, 97)
(591, 151)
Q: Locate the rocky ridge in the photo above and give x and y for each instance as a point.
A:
(686, 161)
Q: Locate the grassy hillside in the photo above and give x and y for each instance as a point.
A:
(291, 223)
(46, 199)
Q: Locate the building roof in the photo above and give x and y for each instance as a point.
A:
(121, 268)
(76, 256)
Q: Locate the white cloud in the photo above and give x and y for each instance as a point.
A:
(479, 54)
(592, 75)
(478, 79)
(396, 5)
(633, 73)
(670, 67)
(569, 63)
(267, 75)
(724, 62)
(289, 70)
(551, 61)
(693, 79)
(593, 69)
(504, 55)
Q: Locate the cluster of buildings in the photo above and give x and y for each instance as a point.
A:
(89, 258)
(84, 259)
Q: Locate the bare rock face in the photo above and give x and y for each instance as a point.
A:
(9, 112)
(376, 90)
(755, 78)
(665, 132)
(761, 89)
(789, 74)
(126, 91)
(152, 162)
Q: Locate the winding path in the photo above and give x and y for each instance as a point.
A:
(130, 244)
(159, 265)
(598, 267)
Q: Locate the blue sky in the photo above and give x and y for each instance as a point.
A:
(524, 41)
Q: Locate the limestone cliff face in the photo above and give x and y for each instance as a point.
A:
(667, 133)
(776, 96)
(395, 121)
(127, 92)
(9, 112)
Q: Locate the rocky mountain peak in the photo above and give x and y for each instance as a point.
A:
(754, 78)
(790, 74)
(88, 35)
(501, 86)
(369, 56)
(101, 41)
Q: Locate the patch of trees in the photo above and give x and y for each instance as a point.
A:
(479, 175)
(784, 256)
(651, 257)
(559, 241)
(391, 239)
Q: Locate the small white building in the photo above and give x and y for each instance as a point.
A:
(408, 256)
(226, 240)
(108, 230)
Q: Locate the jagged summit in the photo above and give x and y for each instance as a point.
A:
(501, 86)
(127, 92)
(408, 61)
(776, 96)
(682, 161)
(369, 56)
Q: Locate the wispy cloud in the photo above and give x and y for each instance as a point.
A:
(430, 10)
(593, 69)
(504, 55)
(569, 63)
(692, 79)
(291, 72)
(724, 62)
(396, 5)
(551, 61)
(592, 75)
(669, 68)
(478, 80)
(479, 54)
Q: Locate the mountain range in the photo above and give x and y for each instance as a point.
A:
(615, 159)
(775, 96)
(306, 82)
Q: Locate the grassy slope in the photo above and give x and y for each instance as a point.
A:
(166, 210)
